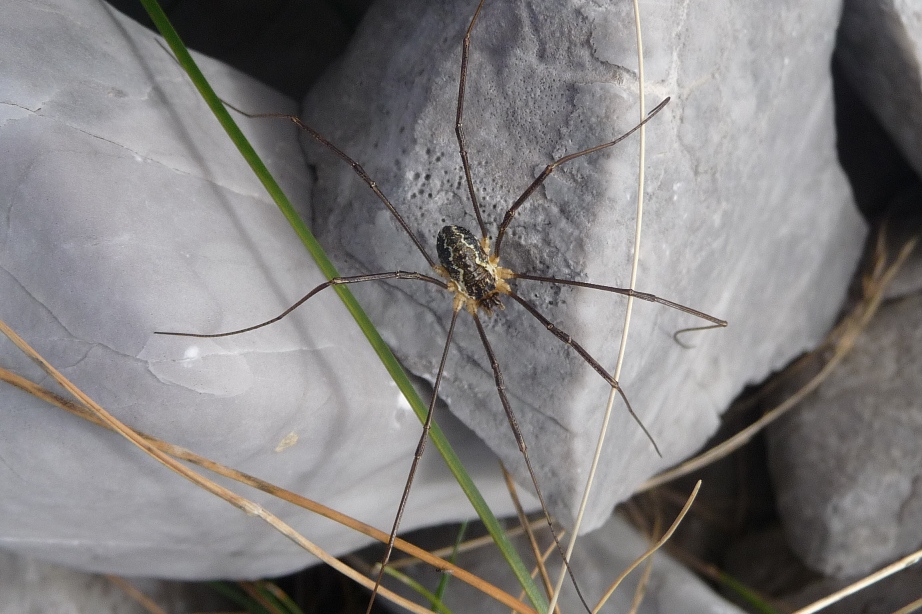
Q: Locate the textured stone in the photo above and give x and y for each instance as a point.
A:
(748, 215)
(126, 210)
(30, 586)
(847, 465)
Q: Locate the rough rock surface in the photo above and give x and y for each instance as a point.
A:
(125, 210)
(27, 585)
(748, 216)
(847, 465)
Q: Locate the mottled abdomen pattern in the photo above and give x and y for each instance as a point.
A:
(466, 262)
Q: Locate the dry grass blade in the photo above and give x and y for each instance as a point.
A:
(915, 606)
(641, 591)
(841, 340)
(163, 452)
(648, 553)
(542, 560)
(417, 554)
(877, 576)
(526, 526)
(132, 591)
(435, 603)
(627, 312)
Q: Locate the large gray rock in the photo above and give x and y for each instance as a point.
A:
(748, 215)
(847, 465)
(126, 210)
(27, 585)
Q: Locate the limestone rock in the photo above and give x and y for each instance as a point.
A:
(27, 585)
(748, 215)
(847, 465)
(126, 210)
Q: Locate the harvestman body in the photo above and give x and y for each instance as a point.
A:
(469, 269)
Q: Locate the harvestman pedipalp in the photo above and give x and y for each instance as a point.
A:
(470, 270)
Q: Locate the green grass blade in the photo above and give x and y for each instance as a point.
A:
(276, 597)
(753, 599)
(238, 595)
(443, 581)
(434, 601)
(387, 358)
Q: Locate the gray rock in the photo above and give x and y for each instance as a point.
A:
(879, 51)
(603, 556)
(27, 585)
(847, 465)
(126, 210)
(748, 216)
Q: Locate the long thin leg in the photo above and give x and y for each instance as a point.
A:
(514, 423)
(567, 339)
(459, 124)
(716, 322)
(336, 281)
(510, 213)
(644, 296)
(355, 167)
(420, 448)
(692, 329)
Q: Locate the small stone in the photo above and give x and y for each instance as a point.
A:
(127, 210)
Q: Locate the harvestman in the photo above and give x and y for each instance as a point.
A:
(470, 271)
